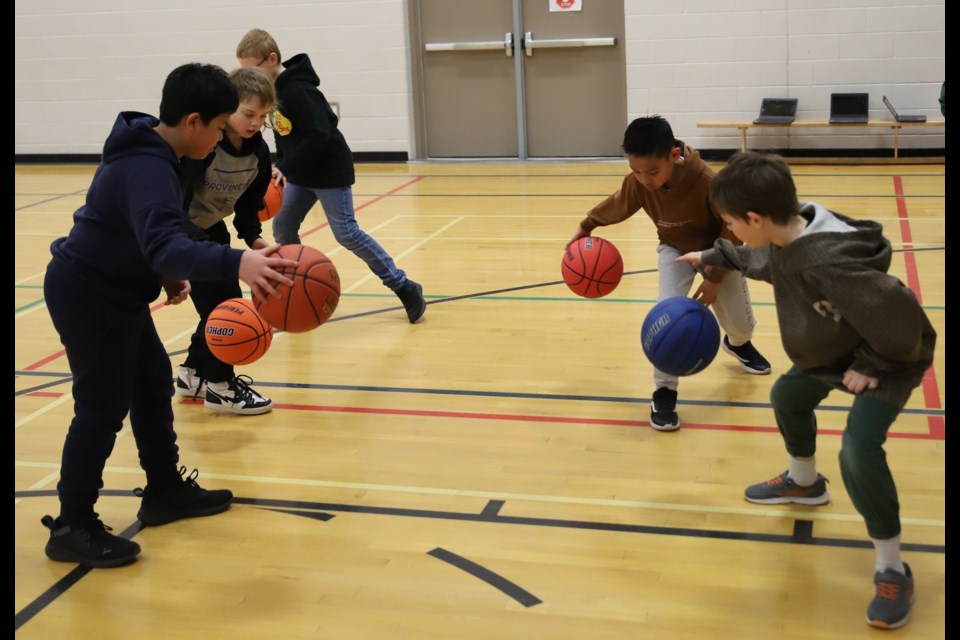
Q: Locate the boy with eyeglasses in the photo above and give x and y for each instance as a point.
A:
(315, 163)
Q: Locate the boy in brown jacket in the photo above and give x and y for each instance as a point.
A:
(670, 182)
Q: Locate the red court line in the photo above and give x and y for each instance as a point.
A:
(368, 203)
(931, 391)
(57, 354)
(913, 279)
(934, 434)
(40, 363)
(516, 417)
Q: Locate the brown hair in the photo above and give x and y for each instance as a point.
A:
(253, 82)
(756, 182)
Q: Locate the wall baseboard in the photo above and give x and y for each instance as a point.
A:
(94, 158)
(839, 156)
(827, 156)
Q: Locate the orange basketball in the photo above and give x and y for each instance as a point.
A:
(272, 200)
(235, 332)
(313, 297)
(592, 267)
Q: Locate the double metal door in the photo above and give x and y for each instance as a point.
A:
(513, 79)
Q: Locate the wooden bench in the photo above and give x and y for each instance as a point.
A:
(743, 125)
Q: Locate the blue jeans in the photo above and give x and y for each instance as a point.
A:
(338, 207)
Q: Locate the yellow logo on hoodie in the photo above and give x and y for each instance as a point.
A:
(280, 124)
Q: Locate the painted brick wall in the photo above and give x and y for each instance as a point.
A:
(78, 63)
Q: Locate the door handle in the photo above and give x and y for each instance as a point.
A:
(529, 44)
(491, 45)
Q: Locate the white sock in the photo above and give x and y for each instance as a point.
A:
(888, 555)
(803, 472)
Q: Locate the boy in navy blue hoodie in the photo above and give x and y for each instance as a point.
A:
(127, 242)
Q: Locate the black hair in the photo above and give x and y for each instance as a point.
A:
(197, 88)
(650, 136)
(756, 182)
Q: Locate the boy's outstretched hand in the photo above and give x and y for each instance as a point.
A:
(581, 233)
(257, 269)
(692, 258)
(857, 382)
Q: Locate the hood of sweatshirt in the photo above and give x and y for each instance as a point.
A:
(688, 172)
(298, 69)
(129, 232)
(863, 242)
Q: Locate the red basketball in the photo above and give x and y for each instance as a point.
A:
(235, 332)
(312, 298)
(592, 267)
(272, 201)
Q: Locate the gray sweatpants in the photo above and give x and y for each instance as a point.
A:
(732, 307)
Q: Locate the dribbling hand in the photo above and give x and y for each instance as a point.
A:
(581, 233)
(258, 269)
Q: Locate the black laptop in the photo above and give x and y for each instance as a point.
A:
(846, 108)
(903, 118)
(777, 111)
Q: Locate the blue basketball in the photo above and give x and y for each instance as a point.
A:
(680, 336)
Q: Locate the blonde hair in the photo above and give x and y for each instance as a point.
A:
(257, 43)
(254, 82)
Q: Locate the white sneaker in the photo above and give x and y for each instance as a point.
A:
(236, 396)
(189, 383)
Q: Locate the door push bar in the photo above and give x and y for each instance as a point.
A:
(506, 44)
(529, 44)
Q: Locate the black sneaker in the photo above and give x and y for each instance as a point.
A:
(890, 608)
(663, 410)
(236, 396)
(411, 295)
(89, 543)
(186, 500)
(750, 359)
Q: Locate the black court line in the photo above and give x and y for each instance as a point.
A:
(468, 296)
(65, 583)
(496, 518)
(50, 199)
(495, 580)
(313, 515)
(493, 508)
(802, 533)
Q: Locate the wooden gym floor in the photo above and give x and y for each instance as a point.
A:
(487, 472)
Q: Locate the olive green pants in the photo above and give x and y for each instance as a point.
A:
(863, 462)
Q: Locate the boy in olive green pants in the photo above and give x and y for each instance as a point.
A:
(845, 324)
